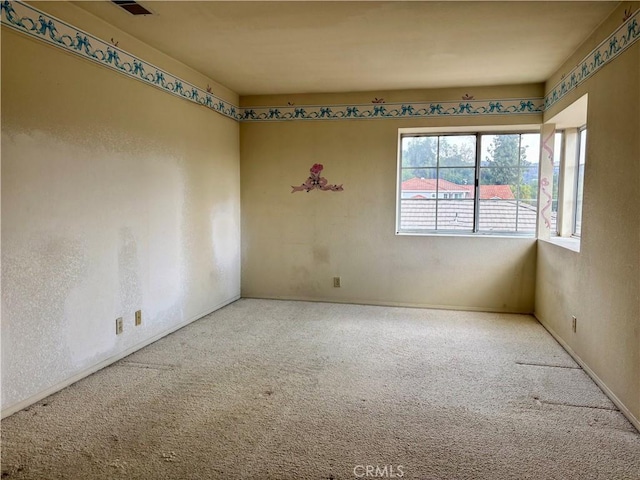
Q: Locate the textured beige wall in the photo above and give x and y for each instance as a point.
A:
(293, 244)
(600, 285)
(531, 90)
(115, 197)
(84, 20)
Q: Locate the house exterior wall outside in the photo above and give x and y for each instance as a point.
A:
(293, 244)
(600, 285)
(115, 197)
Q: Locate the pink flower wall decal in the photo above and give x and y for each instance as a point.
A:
(316, 169)
(315, 181)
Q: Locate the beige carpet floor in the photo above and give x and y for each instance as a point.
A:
(293, 390)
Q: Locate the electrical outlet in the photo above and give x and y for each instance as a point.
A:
(119, 326)
(138, 318)
(574, 323)
(336, 282)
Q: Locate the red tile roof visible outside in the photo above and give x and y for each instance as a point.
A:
(487, 192)
(429, 184)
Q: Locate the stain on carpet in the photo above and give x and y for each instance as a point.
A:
(531, 364)
(153, 366)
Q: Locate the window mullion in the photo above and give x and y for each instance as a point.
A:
(580, 153)
(518, 172)
(437, 179)
(476, 189)
(561, 180)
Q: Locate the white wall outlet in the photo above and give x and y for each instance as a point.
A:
(336, 282)
(119, 326)
(574, 323)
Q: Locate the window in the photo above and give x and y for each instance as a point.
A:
(509, 183)
(582, 146)
(557, 158)
(431, 168)
(568, 174)
(468, 183)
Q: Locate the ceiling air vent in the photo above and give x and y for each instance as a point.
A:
(132, 7)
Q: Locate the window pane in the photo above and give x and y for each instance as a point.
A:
(509, 183)
(455, 199)
(580, 182)
(417, 214)
(497, 215)
(557, 155)
(455, 215)
(527, 208)
(499, 182)
(457, 151)
(457, 180)
(499, 166)
(500, 150)
(419, 151)
(527, 215)
(418, 183)
(530, 145)
(528, 188)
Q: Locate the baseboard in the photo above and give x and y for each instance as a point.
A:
(388, 304)
(108, 361)
(603, 386)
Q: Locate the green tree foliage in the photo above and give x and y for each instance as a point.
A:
(420, 154)
(461, 155)
(505, 153)
(420, 159)
(508, 164)
(529, 192)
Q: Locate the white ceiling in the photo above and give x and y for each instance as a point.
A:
(303, 47)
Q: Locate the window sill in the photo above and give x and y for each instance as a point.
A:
(522, 236)
(570, 243)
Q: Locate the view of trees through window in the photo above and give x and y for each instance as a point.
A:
(439, 174)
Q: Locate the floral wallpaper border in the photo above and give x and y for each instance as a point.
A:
(625, 36)
(37, 24)
(516, 106)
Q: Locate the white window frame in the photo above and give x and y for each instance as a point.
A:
(556, 231)
(478, 132)
(571, 121)
(580, 152)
